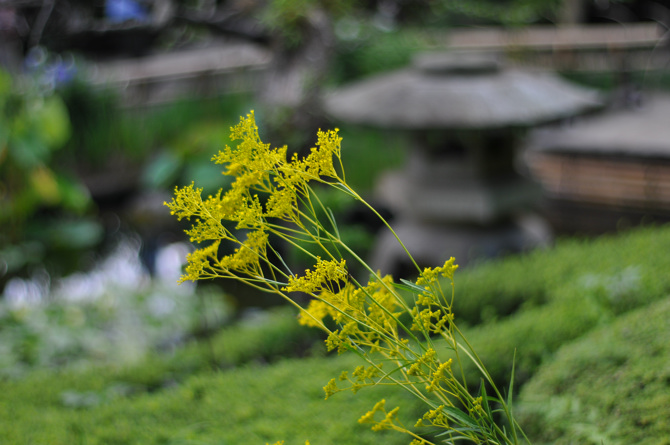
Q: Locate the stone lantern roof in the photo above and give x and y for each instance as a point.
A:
(459, 91)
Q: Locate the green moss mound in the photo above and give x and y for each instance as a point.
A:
(612, 386)
(619, 272)
(522, 309)
(585, 323)
(250, 404)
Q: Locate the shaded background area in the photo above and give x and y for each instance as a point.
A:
(106, 106)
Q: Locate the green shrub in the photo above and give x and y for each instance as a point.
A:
(369, 153)
(117, 327)
(620, 272)
(529, 337)
(612, 386)
(524, 308)
(251, 404)
(264, 337)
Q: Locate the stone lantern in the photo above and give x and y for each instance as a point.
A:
(460, 193)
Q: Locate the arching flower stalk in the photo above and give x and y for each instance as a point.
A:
(272, 196)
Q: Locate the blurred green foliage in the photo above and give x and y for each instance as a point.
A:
(612, 386)
(33, 125)
(56, 145)
(289, 20)
(589, 341)
(120, 326)
(495, 12)
(42, 205)
(528, 306)
(363, 49)
(252, 404)
(172, 135)
(617, 272)
(260, 338)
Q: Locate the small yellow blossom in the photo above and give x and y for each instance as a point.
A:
(282, 204)
(426, 359)
(369, 416)
(320, 161)
(437, 417)
(313, 316)
(325, 272)
(331, 388)
(388, 420)
(247, 257)
(198, 263)
(476, 407)
(429, 275)
(333, 341)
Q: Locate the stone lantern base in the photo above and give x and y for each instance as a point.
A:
(432, 244)
(468, 220)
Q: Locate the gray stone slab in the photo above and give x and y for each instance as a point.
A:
(416, 98)
(641, 131)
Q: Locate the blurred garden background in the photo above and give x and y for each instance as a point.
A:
(106, 106)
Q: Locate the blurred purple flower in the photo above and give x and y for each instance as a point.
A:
(61, 72)
(121, 10)
(50, 71)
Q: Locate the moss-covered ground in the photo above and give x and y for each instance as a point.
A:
(586, 323)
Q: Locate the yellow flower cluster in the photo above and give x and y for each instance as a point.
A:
(442, 374)
(476, 407)
(325, 276)
(430, 275)
(435, 417)
(271, 197)
(426, 359)
(266, 186)
(368, 315)
(387, 423)
(362, 376)
(281, 442)
(430, 321)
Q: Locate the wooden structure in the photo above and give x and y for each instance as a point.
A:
(209, 71)
(607, 168)
(601, 47)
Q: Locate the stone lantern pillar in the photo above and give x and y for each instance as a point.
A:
(460, 193)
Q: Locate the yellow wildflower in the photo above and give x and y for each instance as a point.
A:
(429, 275)
(198, 263)
(324, 272)
(448, 269)
(476, 407)
(369, 416)
(442, 374)
(426, 359)
(331, 388)
(381, 309)
(186, 202)
(282, 204)
(247, 257)
(333, 341)
(387, 421)
(320, 161)
(251, 216)
(313, 316)
(437, 417)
